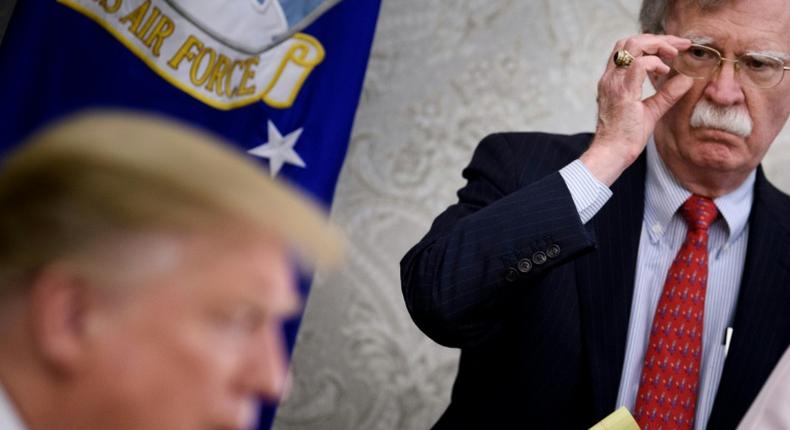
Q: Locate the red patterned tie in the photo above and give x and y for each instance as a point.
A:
(667, 396)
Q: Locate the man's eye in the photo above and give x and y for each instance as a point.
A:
(700, 53)
(756, 64)
(760, 64)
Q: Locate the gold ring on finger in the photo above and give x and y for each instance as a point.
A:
(623, 58)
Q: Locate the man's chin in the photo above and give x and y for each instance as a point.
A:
(714, 156)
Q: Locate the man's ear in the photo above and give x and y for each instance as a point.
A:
(60, 301)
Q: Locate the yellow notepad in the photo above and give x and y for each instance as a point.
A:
(620, 419)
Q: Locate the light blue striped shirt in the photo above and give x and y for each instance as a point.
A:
(663, 232)
(9, 418)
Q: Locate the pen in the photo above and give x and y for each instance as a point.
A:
(727, 338)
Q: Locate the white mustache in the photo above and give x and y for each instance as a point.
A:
(735, 120)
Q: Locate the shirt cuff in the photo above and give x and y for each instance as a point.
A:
(588, 193)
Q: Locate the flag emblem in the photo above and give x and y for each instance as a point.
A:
(227, 54)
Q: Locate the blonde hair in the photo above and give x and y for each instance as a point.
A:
(96, 174)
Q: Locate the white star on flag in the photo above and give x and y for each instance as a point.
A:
(279, 150)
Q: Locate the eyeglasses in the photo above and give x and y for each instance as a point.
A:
(757, 70)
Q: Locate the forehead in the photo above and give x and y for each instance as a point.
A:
(736, 24)
(257, 271)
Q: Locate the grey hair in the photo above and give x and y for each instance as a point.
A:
(653, 14)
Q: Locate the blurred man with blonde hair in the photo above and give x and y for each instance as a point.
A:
(144, 273)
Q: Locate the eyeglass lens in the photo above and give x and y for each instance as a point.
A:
(701, 62)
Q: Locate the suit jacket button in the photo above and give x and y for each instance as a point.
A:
(511, 275)
(524, 265)
(553, 251)
(539, 258)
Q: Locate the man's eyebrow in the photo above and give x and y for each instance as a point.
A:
(699, 39)
(776, 54)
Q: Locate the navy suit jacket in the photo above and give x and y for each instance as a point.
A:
(539, 303)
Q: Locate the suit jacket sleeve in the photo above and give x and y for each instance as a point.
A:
(514, 210)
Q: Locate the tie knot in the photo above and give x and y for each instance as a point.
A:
(699, 212)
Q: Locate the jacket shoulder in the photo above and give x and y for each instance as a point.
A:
(573, 144)
(527, 156)
(773, 199)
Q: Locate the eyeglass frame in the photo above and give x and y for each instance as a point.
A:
(735, 62)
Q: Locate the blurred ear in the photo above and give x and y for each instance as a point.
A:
(60, 303)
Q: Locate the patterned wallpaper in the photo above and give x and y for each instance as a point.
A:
(442, 75)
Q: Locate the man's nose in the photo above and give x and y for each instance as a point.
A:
(266, 370)
(724, 88)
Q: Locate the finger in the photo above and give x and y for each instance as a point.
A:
(665, 97)
(678, 42)
(651, 46)
(628, 81)
(651, 39)
(636, 74)
(664, 46)
(675, 41)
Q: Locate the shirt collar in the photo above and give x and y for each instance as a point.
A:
(9, 418)
(664, 195)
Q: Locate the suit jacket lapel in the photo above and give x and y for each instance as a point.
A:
(606, 282)
(761, 327)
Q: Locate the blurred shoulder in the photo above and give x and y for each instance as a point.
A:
(568, 145)
(551, 151)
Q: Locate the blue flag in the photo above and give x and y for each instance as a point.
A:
(280, 79)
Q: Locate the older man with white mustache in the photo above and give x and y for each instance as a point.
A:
(733, 120)
(644, 265)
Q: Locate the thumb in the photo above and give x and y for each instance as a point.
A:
(665, 97)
